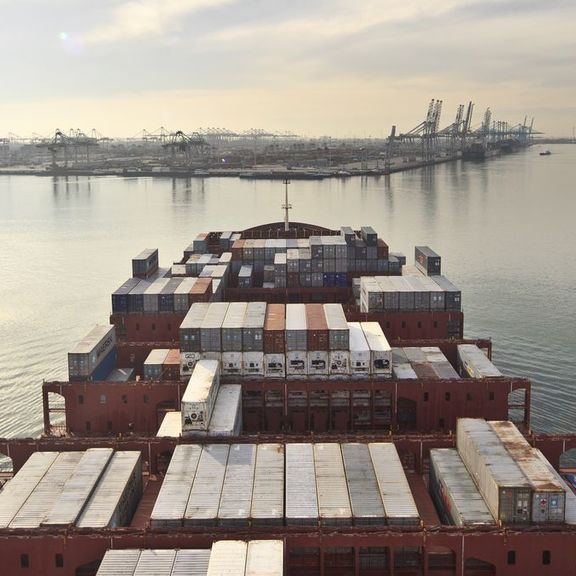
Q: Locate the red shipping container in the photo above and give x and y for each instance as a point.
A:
(274, 329)
(171, 365)
(201, 291)
(317, 333)
(237, 249)
(382, 250)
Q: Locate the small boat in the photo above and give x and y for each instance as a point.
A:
(545, 153)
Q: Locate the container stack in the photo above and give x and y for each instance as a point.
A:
(380, 350)
(408, 293)
(498, 477)
(162, 364)
(317, 341)
(275, 341)
(359, 351)
(145, 264)
(189, 336)
(200, 395)
(97, 488)
(280, 270)
(232, 348)
(427, 362)
(548, 496)
(323, 484)
(211, 330)
(338, 340)
(253, 339)
(296, 340)
(94, 357)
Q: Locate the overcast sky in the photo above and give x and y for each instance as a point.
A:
(312, 67)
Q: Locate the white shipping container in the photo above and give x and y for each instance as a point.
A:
(187, 362)
(268, 494)
(171, 426)
(231, 363)
(318, 363)
(380, 350)
(275, 365)
(228, 558)
(253, 364)
(191, 563)
(119, 563)
(236, 500)
(339, 363)
(202, 507)
(14, 494)
(227, 414)
(359, 351)
(170, 506)
(200, 395)
(301, 491)
(296, 363)
(265, 558)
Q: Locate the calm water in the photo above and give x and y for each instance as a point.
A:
(505, 230)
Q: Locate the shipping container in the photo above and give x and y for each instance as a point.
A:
(154, 364)
(226, 417)
(474, 363)
(252, 364)
(120, 296)
(146, 263)
(170, 506)
(570, 511)
(318, 364)
(120, 375)
(427, 260)
(191, 563)
(333, 499)
(455, 495)
(499, 479)
(268, 494)
(265, 558)
(316, 328)
(40, 502)
(395, 491)
(200, 395)
(296, 363)
(78, 488)
(115, 498)
(452, 295)
(338, 331)
(232, 327)
(274, 329)
(359, 351)
(339, 363)
(236, 500)
(232, 364)
(380, 350)
(187, 362)
(211, 327)
(296, 328)
(253, 327)
(548, 496)
(152, 295)
(228, 558)
(301, 491)
(275, 365)
(189, 331)
(166, 296)
(90, 352)
(119, 563)
(171, 425)
(202, 507)
(365, 499)
(182, 300)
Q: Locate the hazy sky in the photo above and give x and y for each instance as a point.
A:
(314, 67)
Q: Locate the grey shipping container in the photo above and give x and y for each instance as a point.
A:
(152, 295)
(232, 327)
(211, 327)
(454, 493)
(189, 331)
(427, 260)
(91, 351)
(253, 328)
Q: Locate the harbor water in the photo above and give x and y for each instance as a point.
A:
(504, 229)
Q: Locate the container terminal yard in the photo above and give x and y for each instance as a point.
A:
(263, 154)
(287, 399)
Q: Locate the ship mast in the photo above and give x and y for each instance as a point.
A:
(286, 206)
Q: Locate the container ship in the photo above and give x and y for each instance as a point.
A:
(287, 399)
